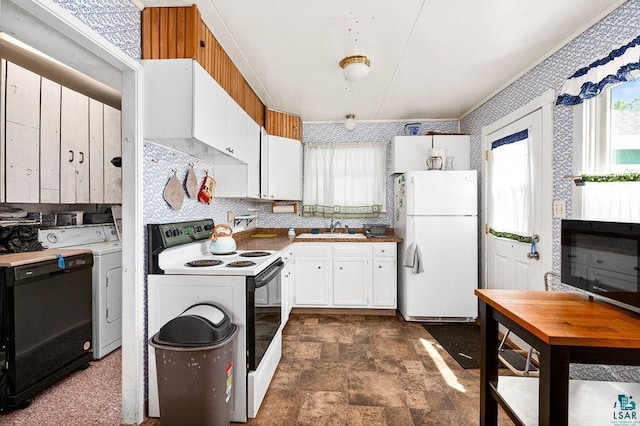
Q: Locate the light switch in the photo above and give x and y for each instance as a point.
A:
(559, 209)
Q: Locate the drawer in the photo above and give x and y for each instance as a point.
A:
(312, 249)
(345, 249)
(384, 249)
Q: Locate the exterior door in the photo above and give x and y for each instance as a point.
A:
(510, 261)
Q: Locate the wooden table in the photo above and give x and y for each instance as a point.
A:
(564, 327)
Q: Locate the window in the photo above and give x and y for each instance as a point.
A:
(612, 130)
(609, 156)
(344, 180)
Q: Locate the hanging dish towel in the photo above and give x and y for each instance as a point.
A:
(413, 259)
(206, 190)
(191, 183)
(173, 193)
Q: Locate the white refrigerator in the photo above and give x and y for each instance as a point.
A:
(436, 214)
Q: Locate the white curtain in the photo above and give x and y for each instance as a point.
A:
(511, 215)
(616, 201)
(344, 179)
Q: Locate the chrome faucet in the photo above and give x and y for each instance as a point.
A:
(333, 226)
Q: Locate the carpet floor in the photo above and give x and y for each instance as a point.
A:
(85, 397)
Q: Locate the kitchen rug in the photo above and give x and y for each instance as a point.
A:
(461, 340)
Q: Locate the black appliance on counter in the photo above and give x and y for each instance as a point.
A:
(45, 324)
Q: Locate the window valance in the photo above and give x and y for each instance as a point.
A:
(589, 81)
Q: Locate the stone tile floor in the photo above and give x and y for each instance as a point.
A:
(335, 370)
(367, 370)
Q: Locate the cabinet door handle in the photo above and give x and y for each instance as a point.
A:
(71, 156)
(81, 157)
(319, 267)
(379, 266)
(341, 268)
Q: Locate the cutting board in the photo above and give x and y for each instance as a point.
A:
(17, 259)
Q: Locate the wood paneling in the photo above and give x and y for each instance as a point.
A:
(282, 124)
(179, 32)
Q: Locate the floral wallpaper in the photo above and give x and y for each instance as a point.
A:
(614, 30)
(118, 21)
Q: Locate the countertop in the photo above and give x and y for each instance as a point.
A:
(17, 259)
(563, 318)
(277, 239)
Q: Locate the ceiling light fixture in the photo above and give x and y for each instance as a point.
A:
(355, 67)
(350, 122)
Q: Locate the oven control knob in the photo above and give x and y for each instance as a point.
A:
(168, 233)
(52, 238)
(175, 232)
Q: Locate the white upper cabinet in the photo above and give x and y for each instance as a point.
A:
(238, 120)
(50, 142)
(409, 153)
(183, 102)
(96, 151)
(22, 135)
(112, 149)
(281, 173)
(242, 180)
(253, 160)
(57, 144)
(74, 148)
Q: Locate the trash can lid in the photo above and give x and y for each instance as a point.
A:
(200, 325)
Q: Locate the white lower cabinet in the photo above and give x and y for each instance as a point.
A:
(286, 278)
(345, 275)
(384, 273)
(351, 274)
(313, 274)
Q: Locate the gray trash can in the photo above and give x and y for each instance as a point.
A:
(194, 363)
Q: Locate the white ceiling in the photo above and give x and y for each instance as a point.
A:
(429, 58)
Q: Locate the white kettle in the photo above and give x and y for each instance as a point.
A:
(222, 242)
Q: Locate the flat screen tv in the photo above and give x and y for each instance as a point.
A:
(603, 259)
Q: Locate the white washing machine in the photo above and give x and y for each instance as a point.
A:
(107, 278)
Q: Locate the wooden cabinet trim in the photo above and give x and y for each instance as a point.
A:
(182, 27)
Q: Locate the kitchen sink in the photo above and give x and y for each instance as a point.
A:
(329, 235)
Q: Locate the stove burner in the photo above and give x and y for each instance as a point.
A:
(241, 264)
(255, 254)
(225, 254)
(205, 262)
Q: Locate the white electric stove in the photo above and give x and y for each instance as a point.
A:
(107, 277)
(182, 272)
(196, 259)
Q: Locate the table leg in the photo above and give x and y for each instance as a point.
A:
(489, 365)
(554, 386)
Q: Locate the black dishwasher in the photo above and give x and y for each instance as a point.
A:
(45, 325)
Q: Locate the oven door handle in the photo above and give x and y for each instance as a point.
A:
(270, 274)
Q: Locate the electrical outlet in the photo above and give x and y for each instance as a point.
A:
(559, 209)
(230, 216)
